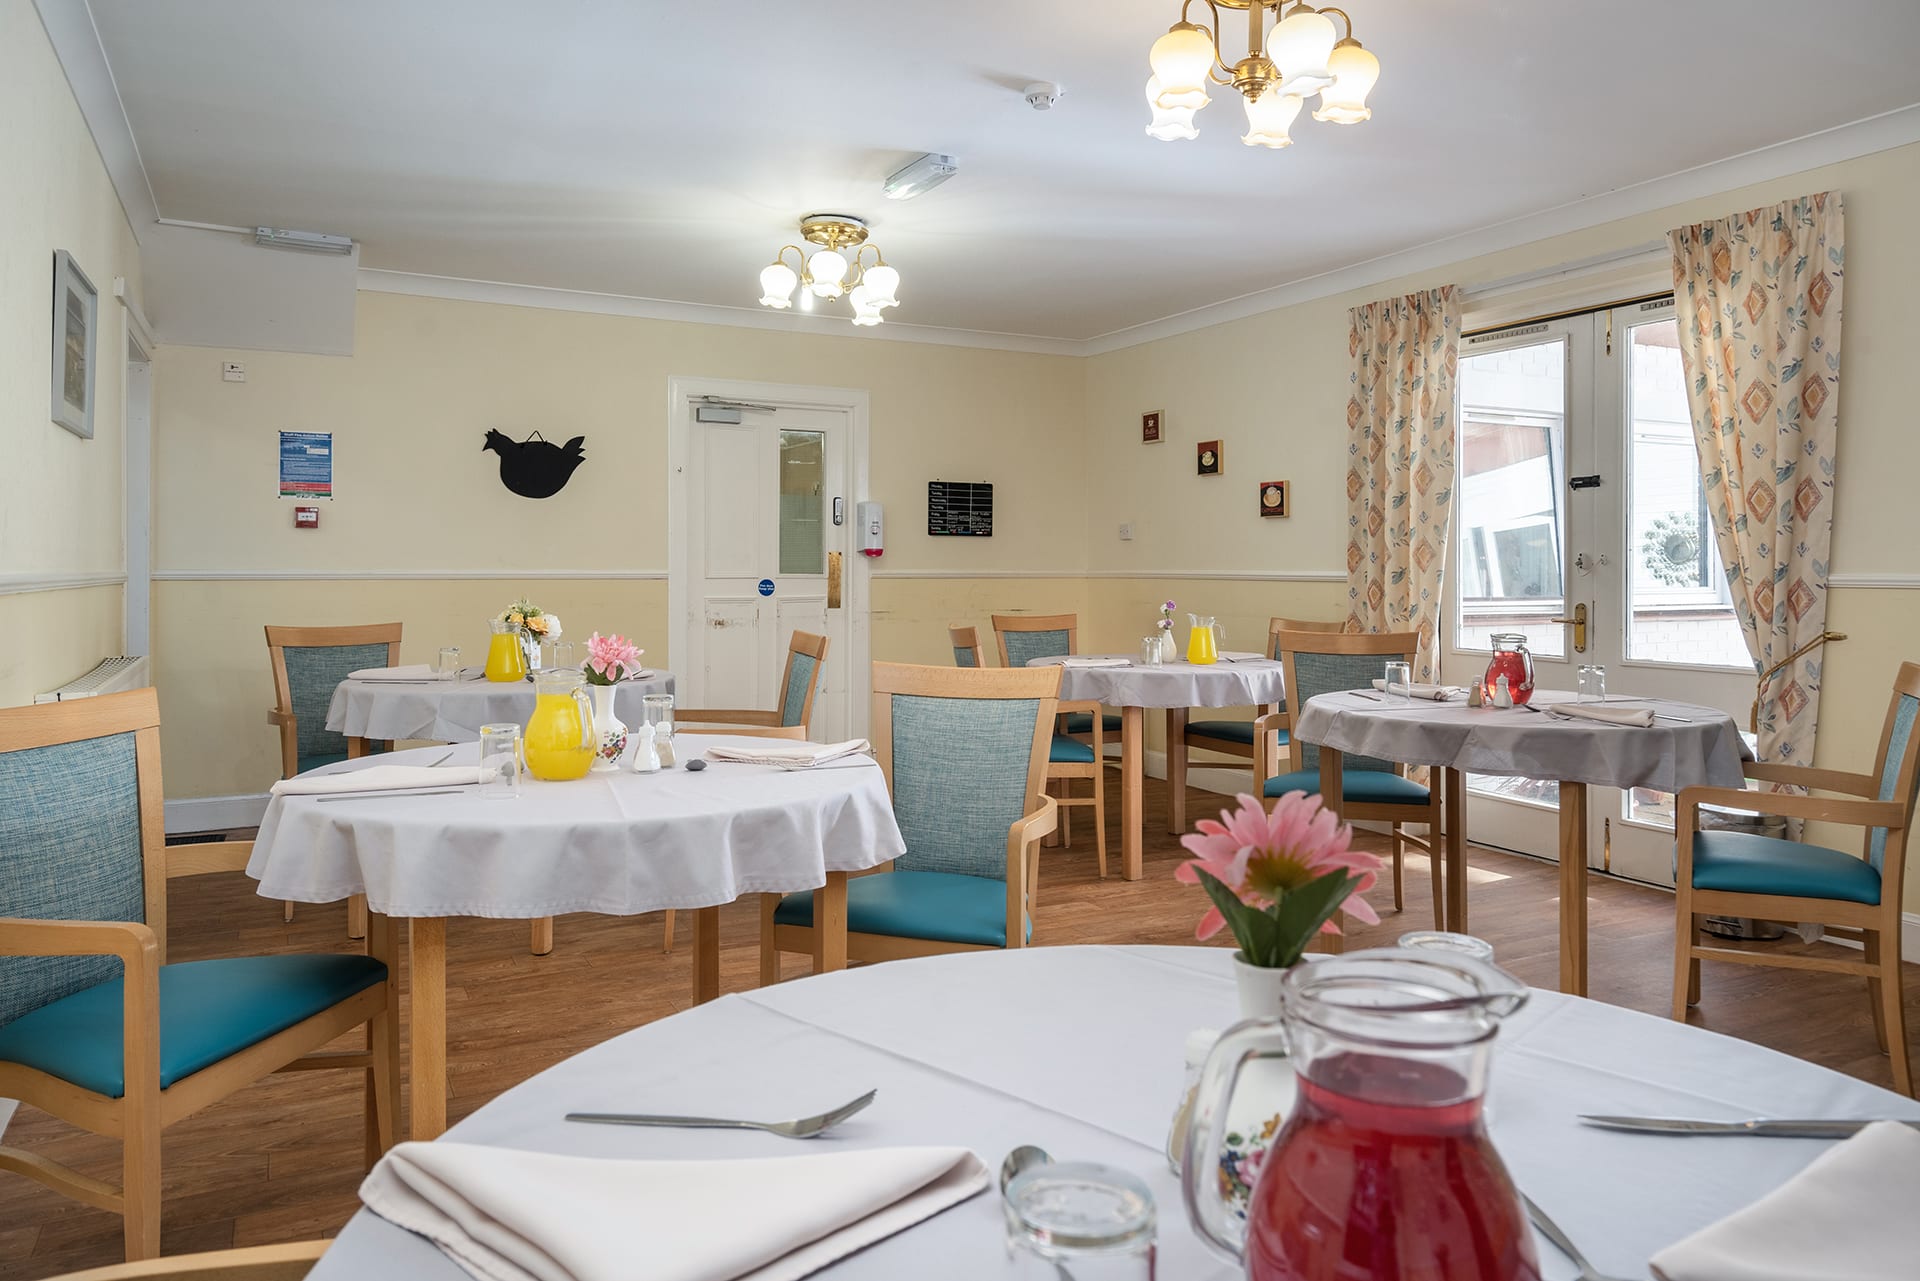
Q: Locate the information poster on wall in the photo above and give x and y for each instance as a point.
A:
(306, 464)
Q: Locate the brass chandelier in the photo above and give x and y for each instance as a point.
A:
(828, 272)
(1301, 56)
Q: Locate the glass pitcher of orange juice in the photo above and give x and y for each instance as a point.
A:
(1203, 641)
(560, 743)
(506, 655)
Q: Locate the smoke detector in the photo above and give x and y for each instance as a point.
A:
(1042, 94)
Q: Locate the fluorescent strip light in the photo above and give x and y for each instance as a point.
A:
(924, 174)
(312, 241)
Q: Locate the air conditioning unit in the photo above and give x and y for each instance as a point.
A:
(111, 676)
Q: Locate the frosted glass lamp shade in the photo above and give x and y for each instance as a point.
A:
(828, 269)
(776, 286)
(881, 283)
(1181, 60)
(1301, 45)
(1169, 124)
(1268, 118)
(1355, 72)
(865, 310)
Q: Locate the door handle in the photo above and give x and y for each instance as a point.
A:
(1579, 621)
(833, 580)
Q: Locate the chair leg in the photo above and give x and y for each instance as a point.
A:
(1100, 820)
(1033, 877)
(769, 954)
(382, 1082)
(666, 933)
(1870, 947)
(140, 1184)
(1686, 966)
(1893, 1005)
(1066, 813)
(286, 912)
(1399, 869)
(357, 916)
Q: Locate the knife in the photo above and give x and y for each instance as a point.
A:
(1763, 1126)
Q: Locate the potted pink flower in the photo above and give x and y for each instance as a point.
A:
(610, 660)
(1276, 880)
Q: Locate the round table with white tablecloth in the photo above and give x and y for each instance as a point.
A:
(452, 711)
(962, 1053)
(1117, 681)
(616, 843)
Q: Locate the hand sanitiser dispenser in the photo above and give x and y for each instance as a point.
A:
(872, 536)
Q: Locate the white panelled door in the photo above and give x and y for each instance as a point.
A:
(764, 558)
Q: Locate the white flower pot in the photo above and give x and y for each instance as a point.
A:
(1259, 989)
(608, 729)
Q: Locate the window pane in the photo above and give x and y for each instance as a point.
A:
(802, 482)
(1681, 611)
(1512, 461)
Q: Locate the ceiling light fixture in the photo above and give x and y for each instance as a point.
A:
(1300, 57)
(922, 175)
(830, 272)
(313, 241)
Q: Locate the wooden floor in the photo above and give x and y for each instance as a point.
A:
(281, 1160)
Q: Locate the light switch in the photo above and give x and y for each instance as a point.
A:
(1126, 531)
(233, 371)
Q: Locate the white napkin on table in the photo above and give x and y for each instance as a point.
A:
(1847, 1217)
(1077, 661)
(1640, 717)
(378, 778)
(410, 672)
(798, 756)
(1438, 693)
(505, 1215)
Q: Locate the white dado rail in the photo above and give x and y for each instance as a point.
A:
(22, 584)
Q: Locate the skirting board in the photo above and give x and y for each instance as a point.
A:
(215, 813)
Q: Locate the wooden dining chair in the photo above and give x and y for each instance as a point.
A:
(289, 1262)
(1079, 744)
(1230, 737)
(308, 664)
(964, 754)
(1855, 897)
(1321, 662)
(1021, 638)
(799, 682)
(95, 1027)
(966, 646)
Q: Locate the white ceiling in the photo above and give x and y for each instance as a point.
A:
(664, 149)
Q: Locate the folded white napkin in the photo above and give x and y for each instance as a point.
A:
(410, 672)
(798, 756)
(1640, 717)
(378, 778)
(1847, 1217)
(1076, 661)
(1438, 693)
(505, 1215)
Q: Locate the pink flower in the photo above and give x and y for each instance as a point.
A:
(612, 657)
(1260, 856)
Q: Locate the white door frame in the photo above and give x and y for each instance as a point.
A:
(137, 482)
(682, 392)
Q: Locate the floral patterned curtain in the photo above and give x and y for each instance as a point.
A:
(1758, 298)
(1400, 428)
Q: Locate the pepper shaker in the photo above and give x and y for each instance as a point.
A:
(646, 758)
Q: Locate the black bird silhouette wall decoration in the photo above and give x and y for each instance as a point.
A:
(535, 467)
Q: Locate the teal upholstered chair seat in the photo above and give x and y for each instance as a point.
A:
(1361, 786)
(1082, 723)
(945, 907)
(1745, 863)
(1231, 731)
(319, 759)
(209, 1011)
(1069, 751)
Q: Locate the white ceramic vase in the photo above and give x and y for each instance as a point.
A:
(1259, 989)
(608, 729)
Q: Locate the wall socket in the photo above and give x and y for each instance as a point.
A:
(233, 371)
(1126, 531)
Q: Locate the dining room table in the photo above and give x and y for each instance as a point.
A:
(615, 843)
(961, 1054)
(451, 709)
(1684, 745)
(1125, 683)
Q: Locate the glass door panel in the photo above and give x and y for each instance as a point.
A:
(803, 467)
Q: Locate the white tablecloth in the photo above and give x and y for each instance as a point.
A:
(454, 711)
(1222, 684)
(1705, 748)
(968, 1050)
(619, 844)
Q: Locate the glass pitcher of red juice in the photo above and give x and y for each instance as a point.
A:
(1383, 1170)
(1513, 660)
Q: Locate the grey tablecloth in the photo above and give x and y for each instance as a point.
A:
(962, 1052)
(1703, 749)
(454, 711)
(1222, 684)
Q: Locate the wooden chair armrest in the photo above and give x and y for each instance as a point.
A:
(1824, 780)
(203, 857)
(1889, 814)
(131, 941)
(277, 717)
(247, 1263)
(725, 716)
(1268, 722)
(1040, 821)
(1079, 705)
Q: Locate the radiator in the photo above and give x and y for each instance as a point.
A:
(111, 677)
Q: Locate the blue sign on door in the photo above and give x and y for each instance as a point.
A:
(766, 587)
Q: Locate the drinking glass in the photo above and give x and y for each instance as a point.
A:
(1446, 941)
(446, 663)
(500, 761)
(1593, 683)
(1399, 682)
(559, 654)
(1091, 1222)
(1150, 653)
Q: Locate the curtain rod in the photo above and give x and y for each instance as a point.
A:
(1566, 313)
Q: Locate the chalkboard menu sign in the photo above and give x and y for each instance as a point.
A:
(960, 507)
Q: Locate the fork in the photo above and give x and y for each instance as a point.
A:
(806, 1127)
(1551, 1231)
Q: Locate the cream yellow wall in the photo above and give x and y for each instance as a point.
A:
(61, 500)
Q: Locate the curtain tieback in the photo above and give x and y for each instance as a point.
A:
(1760, 688)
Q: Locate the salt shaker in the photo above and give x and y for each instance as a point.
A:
(1476, 695)
(646, 757)
(1502, 696)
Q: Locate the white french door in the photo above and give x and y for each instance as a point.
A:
(1577, 497)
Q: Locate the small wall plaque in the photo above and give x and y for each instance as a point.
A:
(1209, 458)
(1150, 428)
(1273, 498)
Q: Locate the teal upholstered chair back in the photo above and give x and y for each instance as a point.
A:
(1025, 637)
(69, 851)
(961, 778)
(966, 646)
(1024, 647)
(312, 673)
(1315, 671)
(805, 653)
(1899, 776)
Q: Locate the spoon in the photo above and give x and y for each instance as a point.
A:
(1552, 1232)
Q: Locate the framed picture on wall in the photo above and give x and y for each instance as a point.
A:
(76, 315)
(1273, 498)
(1150, 428)
(1208, 458)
